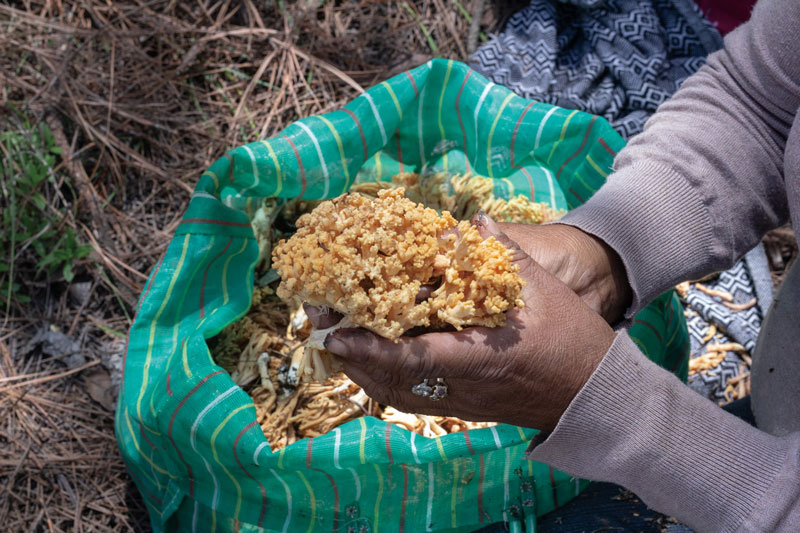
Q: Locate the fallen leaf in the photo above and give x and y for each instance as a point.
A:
(99, 387)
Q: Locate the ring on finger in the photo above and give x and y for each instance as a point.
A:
(435, 392)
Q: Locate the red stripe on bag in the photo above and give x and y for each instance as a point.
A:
(388, 442)
(580, 149)
(513, 140)
(299, 164)
(413, 83)
(230, 167)
(214, 222)
(671, 311)
(458, 114)
(205, 277)
(553, 486)
(576, 195)
(333, 485)
(399, 150)
(260, 486)
(308, 453)
(516, 130)
(141, 430)
(172, 421)
(651, 326)
(468, 441)
(607, 147)
(360, 131)
(156, 499)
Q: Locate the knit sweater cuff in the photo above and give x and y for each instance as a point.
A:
(657, 223)
(636, 425)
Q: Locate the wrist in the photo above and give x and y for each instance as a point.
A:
(605, 287)
(594, 345)
(583, 262)
(616, 288)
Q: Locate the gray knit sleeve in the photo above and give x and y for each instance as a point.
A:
(704, 181)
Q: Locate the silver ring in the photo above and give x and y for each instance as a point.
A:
(435, 392)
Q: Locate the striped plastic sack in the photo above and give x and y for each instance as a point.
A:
(189, 435)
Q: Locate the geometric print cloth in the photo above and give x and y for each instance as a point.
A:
(747, 280)
(616, 58)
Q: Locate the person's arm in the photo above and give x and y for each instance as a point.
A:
(692, 193)
(703, 182)
(637, 425)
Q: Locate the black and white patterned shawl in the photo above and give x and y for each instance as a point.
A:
(616, 58)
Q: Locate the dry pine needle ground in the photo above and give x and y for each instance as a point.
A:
(140, 97)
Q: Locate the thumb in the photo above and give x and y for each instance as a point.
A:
(321, 317)
(538, 280)
(487, 227)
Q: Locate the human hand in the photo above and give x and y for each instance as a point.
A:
(581, 261)
(524, 373)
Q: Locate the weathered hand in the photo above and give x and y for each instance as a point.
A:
(524, 373)
(581, 261)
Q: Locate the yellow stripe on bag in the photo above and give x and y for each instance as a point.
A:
(280, 458)
(341, 151)
(275, 162)
(510, 188)
(216, 458)
(563, 134)
(313, 502)
(249, 207)
(394, 99)
(151, 342)
(174, 349)
(185, 358)
(362, 440)
(441, 448)
(596, 166)
(214, 178)
(380, 495)
(378, 166)
(506, 100)
(138, 449)
(225, 295)
(441, 102)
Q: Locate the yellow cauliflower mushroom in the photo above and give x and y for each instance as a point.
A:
(368, 259)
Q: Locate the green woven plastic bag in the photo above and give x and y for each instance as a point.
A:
(189, 434)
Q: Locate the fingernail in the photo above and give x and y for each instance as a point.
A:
(485, 222)
(481, 218)
(336, 346)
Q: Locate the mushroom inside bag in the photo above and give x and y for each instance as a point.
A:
(366, 255)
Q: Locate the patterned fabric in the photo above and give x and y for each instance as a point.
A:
(189, 435)
(615, 58)
(747, 282)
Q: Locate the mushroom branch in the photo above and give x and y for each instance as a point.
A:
(368, 258)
